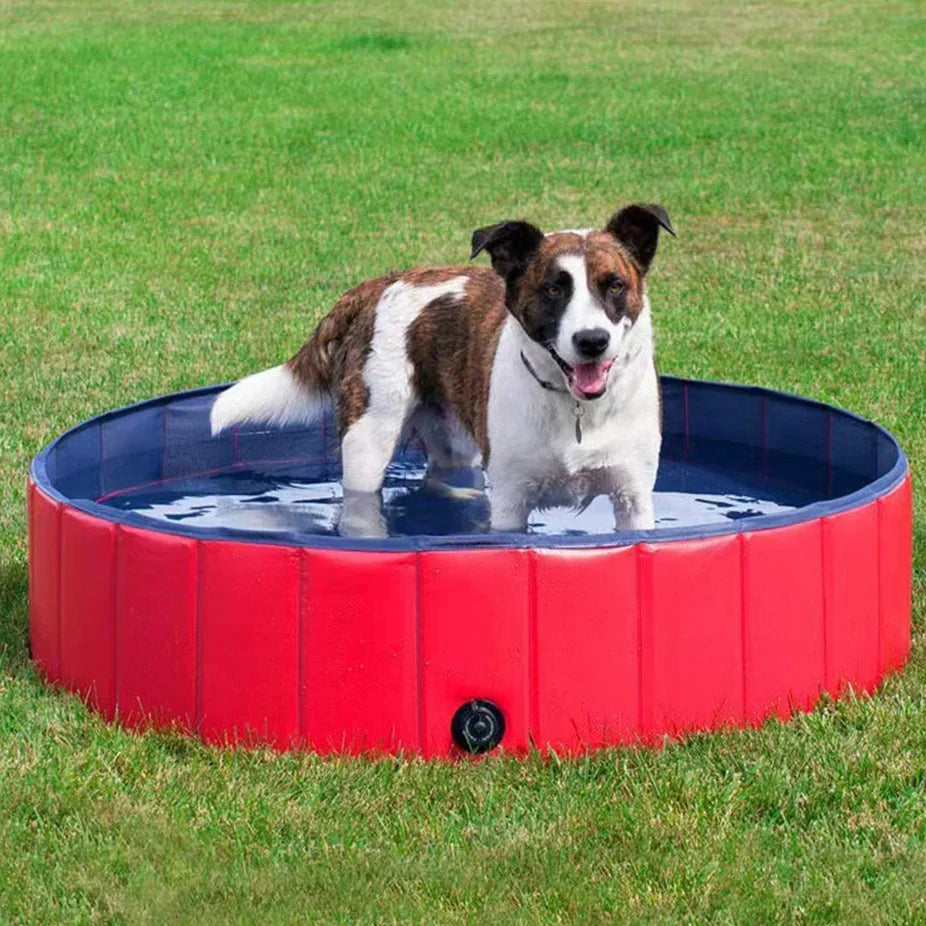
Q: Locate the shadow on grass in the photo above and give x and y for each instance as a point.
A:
(919, 550)
(14, 624)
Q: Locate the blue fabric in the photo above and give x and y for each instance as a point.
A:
(839, 458)
(132, 447)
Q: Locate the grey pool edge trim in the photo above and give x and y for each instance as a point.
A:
(878, 488)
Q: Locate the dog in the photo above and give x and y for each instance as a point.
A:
(540, 370)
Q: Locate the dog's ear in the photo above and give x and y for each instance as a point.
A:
(637, 227)
(510, 245)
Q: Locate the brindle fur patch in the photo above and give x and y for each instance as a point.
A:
(452, 346)
(334, 356)
(604, 260)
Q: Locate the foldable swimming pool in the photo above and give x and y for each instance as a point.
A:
(181, 579)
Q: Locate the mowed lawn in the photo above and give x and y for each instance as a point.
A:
(186, 186)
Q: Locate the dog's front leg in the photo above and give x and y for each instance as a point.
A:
(633, 510)
(362, 515)
(632, 498)
(509, 512)
(508, 500)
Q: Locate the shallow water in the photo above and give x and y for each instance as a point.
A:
(687, 494)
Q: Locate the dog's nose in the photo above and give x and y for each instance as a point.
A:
(591, 342)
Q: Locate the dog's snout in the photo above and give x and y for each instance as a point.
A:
(591, 342)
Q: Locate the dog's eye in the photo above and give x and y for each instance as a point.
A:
(552, 290)
(615, 285)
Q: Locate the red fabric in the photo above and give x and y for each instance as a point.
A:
(354, 651)
(895, 529)
(474, 640)
(359, 651)
(782, 620)
(586, 681)
(155, 628)
(248, 643)
(45, 572)
(88, 608)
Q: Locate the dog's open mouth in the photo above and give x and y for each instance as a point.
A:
(589, 380)
(585, 380)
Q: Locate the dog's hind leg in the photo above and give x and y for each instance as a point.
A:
(453, 457)
(376, 398)
(368, 446)
(366, 449)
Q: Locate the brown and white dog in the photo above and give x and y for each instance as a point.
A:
(541, 369)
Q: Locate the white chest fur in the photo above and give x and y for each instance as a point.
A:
(532, 430)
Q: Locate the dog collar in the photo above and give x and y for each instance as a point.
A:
(546, 384)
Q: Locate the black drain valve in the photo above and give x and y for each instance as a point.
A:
(477, 726)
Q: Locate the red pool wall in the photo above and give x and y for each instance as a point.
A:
(346, 651)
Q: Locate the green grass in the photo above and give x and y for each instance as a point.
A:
(186, 186)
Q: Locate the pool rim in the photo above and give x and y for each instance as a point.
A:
(877, 488)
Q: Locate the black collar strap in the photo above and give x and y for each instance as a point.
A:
(544, 383)
(553, 388)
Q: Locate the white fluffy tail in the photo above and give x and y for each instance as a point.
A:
(273, 397)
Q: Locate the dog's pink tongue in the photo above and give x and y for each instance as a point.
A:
(590, 378)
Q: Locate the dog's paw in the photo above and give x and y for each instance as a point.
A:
(362, 516)
(456, 493)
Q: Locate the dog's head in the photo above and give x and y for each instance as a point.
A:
(577, 293)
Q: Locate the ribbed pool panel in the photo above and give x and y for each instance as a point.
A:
(88, 608)
(895, 564)
(783, 623)
(692, 659)
(247, 633)
(585, 641)
(44, 614)
(850, 575)
(474, 614)
(156, 598)
(359, 651)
